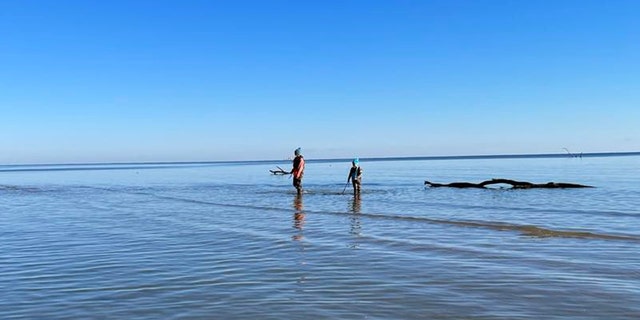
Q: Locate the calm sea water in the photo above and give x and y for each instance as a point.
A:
(224, 241)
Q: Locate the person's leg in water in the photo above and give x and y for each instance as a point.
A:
(297, 183)
(356, 186)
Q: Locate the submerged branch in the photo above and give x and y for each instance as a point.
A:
(514, 184)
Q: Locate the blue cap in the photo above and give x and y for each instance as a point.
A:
(356, 161)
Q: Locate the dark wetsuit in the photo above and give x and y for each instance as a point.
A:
(355, 175)
(298, 172)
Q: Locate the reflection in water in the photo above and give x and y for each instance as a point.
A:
(355, 228)
(298, 224)
(298, 216)
(355, 204)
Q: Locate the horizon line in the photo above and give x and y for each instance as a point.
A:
(369, 159)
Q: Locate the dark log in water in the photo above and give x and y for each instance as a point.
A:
(514, 184)
(279, 171)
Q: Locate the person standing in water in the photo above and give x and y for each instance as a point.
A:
(298, 170)
(355, 175)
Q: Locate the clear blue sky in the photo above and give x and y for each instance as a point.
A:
(102, 81)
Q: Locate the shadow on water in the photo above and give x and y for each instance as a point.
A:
(355, 210)
(12, 188)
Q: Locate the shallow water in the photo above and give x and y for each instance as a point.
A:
(232, 241)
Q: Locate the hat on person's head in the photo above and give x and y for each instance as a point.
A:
(298, 151)
(355, 161)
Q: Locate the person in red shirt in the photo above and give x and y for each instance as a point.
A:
(298, 170)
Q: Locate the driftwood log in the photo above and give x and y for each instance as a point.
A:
(279, 171)
(514, 184)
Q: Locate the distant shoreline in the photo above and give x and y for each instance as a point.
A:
(512, 156)
(166, 164)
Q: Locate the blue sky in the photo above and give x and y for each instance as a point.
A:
(104, 81)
